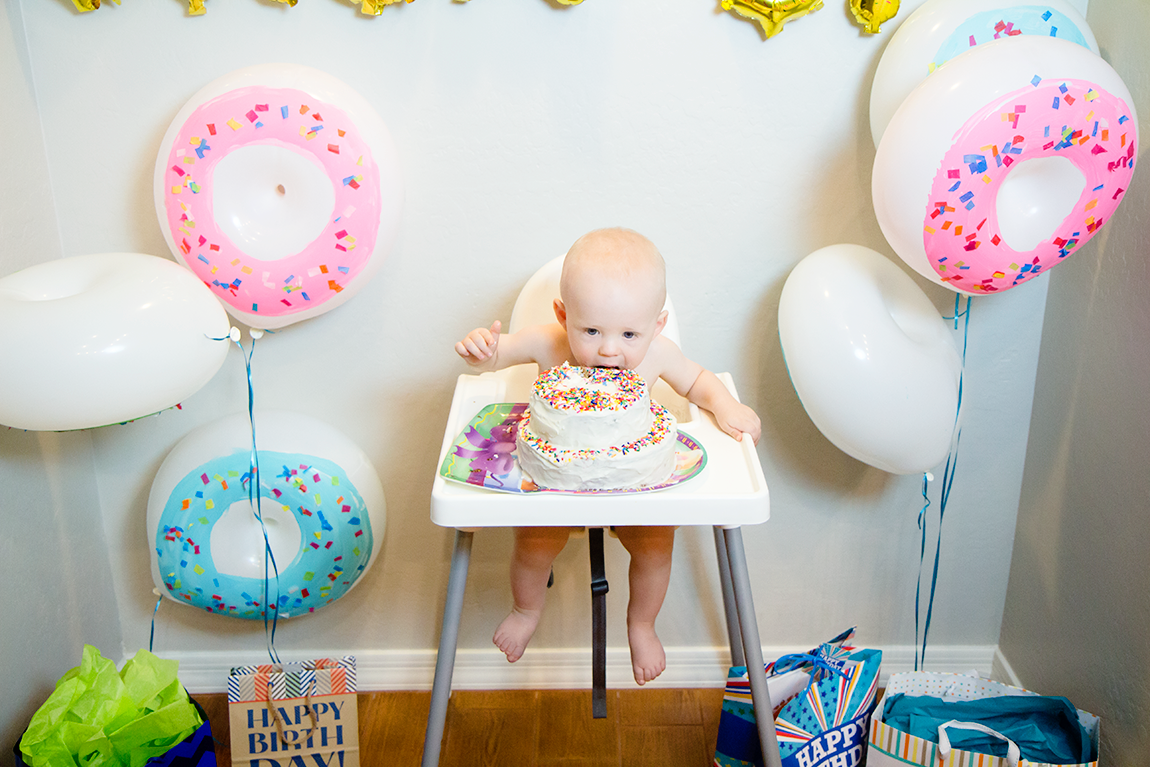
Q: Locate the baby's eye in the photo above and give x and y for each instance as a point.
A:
(630, 335)
(592, 331)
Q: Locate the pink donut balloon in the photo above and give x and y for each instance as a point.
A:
(1004, 162)
(279, 186)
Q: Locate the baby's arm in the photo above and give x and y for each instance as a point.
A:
(489, 349)
(733, 416)
(704, 388)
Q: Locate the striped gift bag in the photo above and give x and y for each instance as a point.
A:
(297, 714)
(822, 700)
(890, 747)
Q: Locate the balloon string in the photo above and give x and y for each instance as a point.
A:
(255, 499)
(944, 492)
(156, 609)
(921, 556)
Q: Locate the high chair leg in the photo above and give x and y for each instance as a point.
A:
(448, 639)
(748, 623)
(730, 609)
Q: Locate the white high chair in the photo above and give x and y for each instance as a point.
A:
(731, 491)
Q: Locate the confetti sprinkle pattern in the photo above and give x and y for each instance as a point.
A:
(335, 544)
(1048, 118)
(1006, 22)
(589, 390)
(663, 426)
(282, 117)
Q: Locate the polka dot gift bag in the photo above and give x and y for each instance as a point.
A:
(962, 720)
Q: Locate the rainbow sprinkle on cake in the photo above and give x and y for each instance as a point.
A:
(584, 390)
(661, 427)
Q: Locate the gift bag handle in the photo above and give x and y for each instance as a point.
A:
(279, 719)
(1013, 753)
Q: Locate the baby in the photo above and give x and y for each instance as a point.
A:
(610, 314)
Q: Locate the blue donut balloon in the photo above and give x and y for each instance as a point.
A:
(320, 510)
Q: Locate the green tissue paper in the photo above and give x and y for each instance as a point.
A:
(101, 717)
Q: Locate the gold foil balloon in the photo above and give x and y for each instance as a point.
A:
(872, 13)
(771, 16)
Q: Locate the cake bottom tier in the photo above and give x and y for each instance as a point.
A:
(645, 462)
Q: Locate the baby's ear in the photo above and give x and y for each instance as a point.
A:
(661, 322)
(560, 312)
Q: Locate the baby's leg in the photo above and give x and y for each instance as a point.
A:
(535, 550)
(648, 576)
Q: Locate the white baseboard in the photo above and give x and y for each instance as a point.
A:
(206, 672)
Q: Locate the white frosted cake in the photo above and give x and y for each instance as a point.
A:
(595, 429)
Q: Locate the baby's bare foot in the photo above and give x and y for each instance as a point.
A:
(515, 632)
(648, 659)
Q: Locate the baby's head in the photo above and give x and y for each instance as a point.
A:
(612, 292)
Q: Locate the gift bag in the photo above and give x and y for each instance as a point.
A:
(297, 714)
(100, 717)
(196, 750)
(822, 701)
(930, 717)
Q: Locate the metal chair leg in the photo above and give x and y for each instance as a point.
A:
(729, 608)
(764, 711)
(448, 639)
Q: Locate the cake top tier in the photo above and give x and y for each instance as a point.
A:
(575, 389)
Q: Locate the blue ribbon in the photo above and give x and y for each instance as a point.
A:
(947, 484)
(253, 485)
(821, 667)
(152, 634)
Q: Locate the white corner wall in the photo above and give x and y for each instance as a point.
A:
(521, 125)
(1078, 607)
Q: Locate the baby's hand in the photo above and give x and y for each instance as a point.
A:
(480, 344)
(737, 419)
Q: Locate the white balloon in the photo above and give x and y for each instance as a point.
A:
(321, 502)
(872, 361)
(104, 338)
(939, 30)
(279, 186)
(1004, 162)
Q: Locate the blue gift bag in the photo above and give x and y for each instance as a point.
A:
(823, 700)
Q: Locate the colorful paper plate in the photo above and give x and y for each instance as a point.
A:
(483, 455)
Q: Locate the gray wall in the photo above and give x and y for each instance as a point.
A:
(57, 593)
(1077, 617)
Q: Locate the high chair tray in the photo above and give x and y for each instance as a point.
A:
(728, 490)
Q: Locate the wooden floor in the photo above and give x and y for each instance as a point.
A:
(524, 728)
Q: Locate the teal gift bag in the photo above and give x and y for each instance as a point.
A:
(823, 700)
